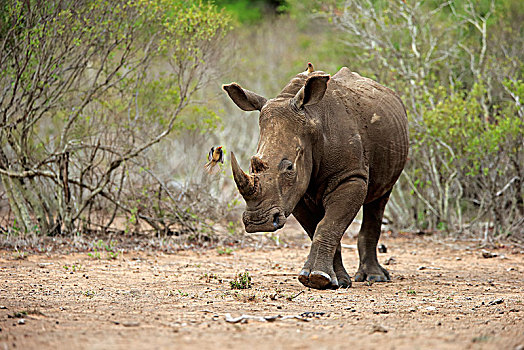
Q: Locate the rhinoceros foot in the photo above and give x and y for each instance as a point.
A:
(318, 271)
(373, 273)
(317, 279)
(344, 281)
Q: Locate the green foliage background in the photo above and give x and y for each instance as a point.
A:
(457, 66)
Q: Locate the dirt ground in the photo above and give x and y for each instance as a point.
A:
(443, 295)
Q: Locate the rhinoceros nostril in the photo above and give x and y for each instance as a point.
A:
(275, 220)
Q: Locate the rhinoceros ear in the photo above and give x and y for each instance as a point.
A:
(312, 92)
(245, 99)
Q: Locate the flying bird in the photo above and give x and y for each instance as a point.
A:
(310, 68)
(215, 156)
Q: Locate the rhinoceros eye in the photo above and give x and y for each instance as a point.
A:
(285, 164)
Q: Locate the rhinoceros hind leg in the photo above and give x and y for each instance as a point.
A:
(378, 276)
(369, 268)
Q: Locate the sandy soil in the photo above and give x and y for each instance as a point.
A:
(443, 295)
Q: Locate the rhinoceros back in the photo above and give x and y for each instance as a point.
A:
(382, 124)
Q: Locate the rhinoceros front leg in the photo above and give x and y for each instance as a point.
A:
(344, 280)
(309, 216)
(341, 207)
(369, 268)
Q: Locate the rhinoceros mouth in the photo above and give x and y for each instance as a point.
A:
(267, 221)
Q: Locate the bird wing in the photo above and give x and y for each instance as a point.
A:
(210, 154)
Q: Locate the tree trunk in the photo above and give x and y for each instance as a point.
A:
(18, 203)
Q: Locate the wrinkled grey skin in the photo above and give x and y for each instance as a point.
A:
(327, 147)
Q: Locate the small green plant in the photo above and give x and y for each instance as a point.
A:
(231, 228)
(89, 293)
(15, 229)
(241, 281)
(95, 254)
(73, 267)
(96, 250)
(245, 297)
(224, 251)
(19, 255)
(111, 251)
(442, 226)
(209, 276)
(411, 292)
(178, 292)
(100, 246)
(20, 314)
(275, 238)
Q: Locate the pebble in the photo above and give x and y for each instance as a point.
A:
(381, 312)
(428, 268)
(487, 254)
(131, 324)
(379, 328)
(21, 321)
(391, 260)
(431, 308)
(127, 323)
(496, 302)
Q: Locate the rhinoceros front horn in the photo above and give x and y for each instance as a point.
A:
(245, 183)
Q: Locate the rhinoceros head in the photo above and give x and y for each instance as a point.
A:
(280, 171)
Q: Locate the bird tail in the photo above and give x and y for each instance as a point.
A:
(211, 168)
